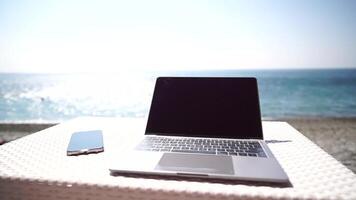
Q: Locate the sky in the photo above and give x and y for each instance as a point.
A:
(110, 36)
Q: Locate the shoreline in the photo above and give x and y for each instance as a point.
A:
(34, 126)
(335, 135)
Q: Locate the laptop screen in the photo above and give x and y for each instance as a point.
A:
(205, 107)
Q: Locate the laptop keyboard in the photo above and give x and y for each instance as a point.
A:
(203, 146)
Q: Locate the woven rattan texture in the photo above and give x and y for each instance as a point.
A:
(36, 167)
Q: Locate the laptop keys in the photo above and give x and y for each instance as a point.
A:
(203, 146)
(192, 151)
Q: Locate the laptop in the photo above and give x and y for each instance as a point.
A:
(204, 127)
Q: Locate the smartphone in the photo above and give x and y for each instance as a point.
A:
(85, 142)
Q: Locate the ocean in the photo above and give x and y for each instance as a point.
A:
(42, 98)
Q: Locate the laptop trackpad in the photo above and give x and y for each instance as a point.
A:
(195, 163)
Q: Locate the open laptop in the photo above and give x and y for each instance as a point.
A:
(206, 127)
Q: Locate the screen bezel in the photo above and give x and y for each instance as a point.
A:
(251, 80)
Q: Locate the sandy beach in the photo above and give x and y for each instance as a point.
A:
(337, 136)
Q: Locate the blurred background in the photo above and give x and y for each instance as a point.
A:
(65, 59)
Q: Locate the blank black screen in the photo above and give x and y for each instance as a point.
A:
(205, 107)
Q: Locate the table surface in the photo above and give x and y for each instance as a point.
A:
(37, 167)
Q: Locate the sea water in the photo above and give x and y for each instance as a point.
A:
(59, 97)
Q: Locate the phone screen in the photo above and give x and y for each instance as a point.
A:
(85, 142)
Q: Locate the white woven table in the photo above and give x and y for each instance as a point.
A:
(36, 167)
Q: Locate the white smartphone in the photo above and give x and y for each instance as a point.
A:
(85, 142)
